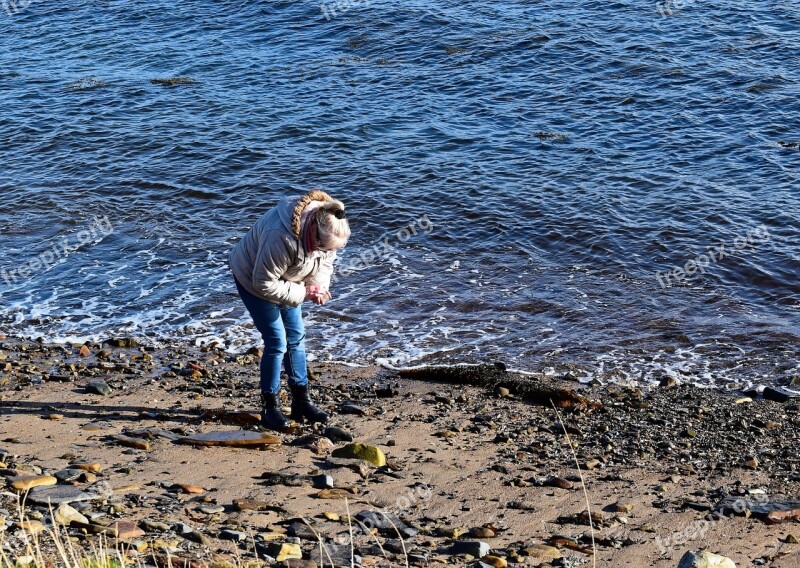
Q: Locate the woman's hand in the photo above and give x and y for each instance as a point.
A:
(317, 294)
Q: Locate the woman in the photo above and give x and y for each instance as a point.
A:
(284, 259)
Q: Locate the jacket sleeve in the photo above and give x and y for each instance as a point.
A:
(274, 257)
(323, 276)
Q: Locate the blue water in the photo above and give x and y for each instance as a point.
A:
(531, 168)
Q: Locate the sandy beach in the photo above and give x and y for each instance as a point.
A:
(469, 469)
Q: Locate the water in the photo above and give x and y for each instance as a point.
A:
(546, 159)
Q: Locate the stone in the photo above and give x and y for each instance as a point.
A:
(621, 508)
(372, 454)
(284, 551)
(705, 559)
(189, 488)
(333, 494)
(55, 416)
(127, 441)
(780, 394)
(98, 387)
(321, 446)
(542, 551)
(559, 482)
(236, 536)
(337, 434)
(151, 525)
(233, 439)
(84, 351)
(592, 464)
(494, 561)
(87, 466)
(475, 548)
(125, 530)
(335, 555)
(58, 494)
(301, 530)
(322, 481)
(481, 532)
(27, 482)
(387, 524)
(211, 509)
(30, 527)
(254, 505)
(770, 512)
(64, 515)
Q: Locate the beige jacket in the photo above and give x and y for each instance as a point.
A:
(271, 263)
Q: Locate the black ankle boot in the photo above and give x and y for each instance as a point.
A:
(302, 407)
(271, 415)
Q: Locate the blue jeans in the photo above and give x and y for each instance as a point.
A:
(284, 341)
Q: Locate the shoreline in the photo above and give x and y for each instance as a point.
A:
(465, 464)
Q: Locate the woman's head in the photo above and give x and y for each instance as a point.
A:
(333, 230)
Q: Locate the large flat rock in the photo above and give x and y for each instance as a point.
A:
(233, 439)
(57, 494)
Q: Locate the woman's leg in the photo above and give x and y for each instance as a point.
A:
(294, 361)
(268, 321)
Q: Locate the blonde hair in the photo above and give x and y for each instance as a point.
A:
(334, 230)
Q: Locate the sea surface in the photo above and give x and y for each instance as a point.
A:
(526, 180)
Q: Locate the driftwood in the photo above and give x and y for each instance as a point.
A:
(495, 376)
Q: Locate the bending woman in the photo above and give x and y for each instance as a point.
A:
(283, 260)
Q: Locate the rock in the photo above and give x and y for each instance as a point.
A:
(333, 494)
(331, 516)
(559, 482)
(387, 524)
(321, 446)
(87, 466)
(475, 548)
(668, 382)
(122, 342)
(780, 394)
(284, 551)
(322, 482)
(481, 532)
(705, 559)
(339, 555)
(27, 482)
(494, 561)
(127, 441)
(301, 530)
(771, 512)
(592, 464)
(751, 462)
(189, 488)
(65, 515)
(253, 505)
(84, 351)
(236, 536)
(542, 551)
(372, 454)
(621, 508)
(234, 439)
(98, 387)
(58, 494)
(503, 392)
(125, 530)
(30, 527)
(69, 475)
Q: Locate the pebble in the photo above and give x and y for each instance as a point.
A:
(27, 482)
(559, 482)
(98, 387)
(494, 561)
(542, 551)
(481, 532)
(337, 434)
(475, 548)
(65, 514)
(190, 489)
(234, 439)
(372, 454)
(30, 527)
(705, 559)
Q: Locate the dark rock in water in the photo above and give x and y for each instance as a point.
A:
(57, 494)
(172, 81)
(385, 524)
(235, 439)
(98, 387)
(475, 548)
(771, 512)
(495, 376)
(780, 394)
(336, 434)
